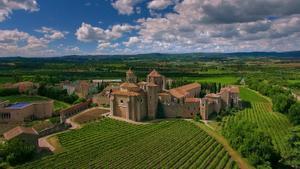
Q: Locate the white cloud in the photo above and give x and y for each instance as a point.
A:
(52, 34)
(7, 7)
(125, 7)
(159, 4)
(132, 41)
(104, 37)
(18, 43)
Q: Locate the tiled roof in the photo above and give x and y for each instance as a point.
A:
(182, 91)
(142, 83)
(192, 100)
(163, 94)
(178, 93)
(128, 85)
(189, 86)
(212, 95)
(154, 73)
(151, 84)
(125, 93)
(17, 131)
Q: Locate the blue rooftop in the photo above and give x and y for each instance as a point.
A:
(18, 105)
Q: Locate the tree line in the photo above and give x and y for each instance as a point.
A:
(282, 99)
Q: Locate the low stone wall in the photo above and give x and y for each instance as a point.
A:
(73, 110)
(54, 129)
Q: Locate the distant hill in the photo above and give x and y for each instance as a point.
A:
(80, 58)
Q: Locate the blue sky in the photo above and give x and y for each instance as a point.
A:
(63, 27)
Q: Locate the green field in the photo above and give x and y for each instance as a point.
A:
(24, 98)
(114, 144)
(275, 124)
(6, 80)
(214, 79)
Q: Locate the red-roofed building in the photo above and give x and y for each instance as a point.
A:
(145, 100)
(28, 135)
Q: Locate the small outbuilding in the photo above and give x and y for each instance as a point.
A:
(29, 135)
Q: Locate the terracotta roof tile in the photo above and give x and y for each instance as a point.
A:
(192, 100)
(17, 131)
(125, 93)
(128, 85)
(182, 91)
(154, 73)
(212, 95)
(151, 84)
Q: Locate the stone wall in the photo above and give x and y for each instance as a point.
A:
(173, 110)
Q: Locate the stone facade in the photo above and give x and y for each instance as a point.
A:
(145, 100)
(20, 112)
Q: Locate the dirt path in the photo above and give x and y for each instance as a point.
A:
(243, 163)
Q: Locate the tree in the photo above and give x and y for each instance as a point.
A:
(294, 114)
(282, 102)
(293, 156)
(16, 151)
(251, 143)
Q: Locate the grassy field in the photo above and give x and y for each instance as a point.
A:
(115, 144)
(24, 98)
(6, 80)
(216, 79)
(275, 124)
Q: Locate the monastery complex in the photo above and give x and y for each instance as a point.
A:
(148, 100)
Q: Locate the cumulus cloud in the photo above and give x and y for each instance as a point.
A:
(52, 34)
(7, 7)
(132, 41)
(159, 4)
(104, 37)
(125, 7)
(192, 27)
(232, 11)
(15, 42)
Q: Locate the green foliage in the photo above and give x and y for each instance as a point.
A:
(293, 139)
(251, 143)
(115, 144)
(197, 117)
(80, 100)
(275, 125)
(294, 113)
(9, 91)
(57, 94)
(17, 151)
(282, 103)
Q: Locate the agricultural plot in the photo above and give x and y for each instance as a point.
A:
(214, 79)
(275, 124)
(114, 144)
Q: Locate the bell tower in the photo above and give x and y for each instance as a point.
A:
(131, 77)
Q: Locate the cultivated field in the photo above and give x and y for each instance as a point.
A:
(275, 124)
(114, 144)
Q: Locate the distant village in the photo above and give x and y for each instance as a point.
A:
(129, 99)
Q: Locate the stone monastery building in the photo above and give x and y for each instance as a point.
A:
(140, 101)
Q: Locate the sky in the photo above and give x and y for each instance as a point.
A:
(43, 28)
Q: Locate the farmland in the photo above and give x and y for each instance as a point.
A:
(114, 144)
(276, 125)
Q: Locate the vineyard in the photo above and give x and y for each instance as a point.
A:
(114, 144)
(275, 124)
